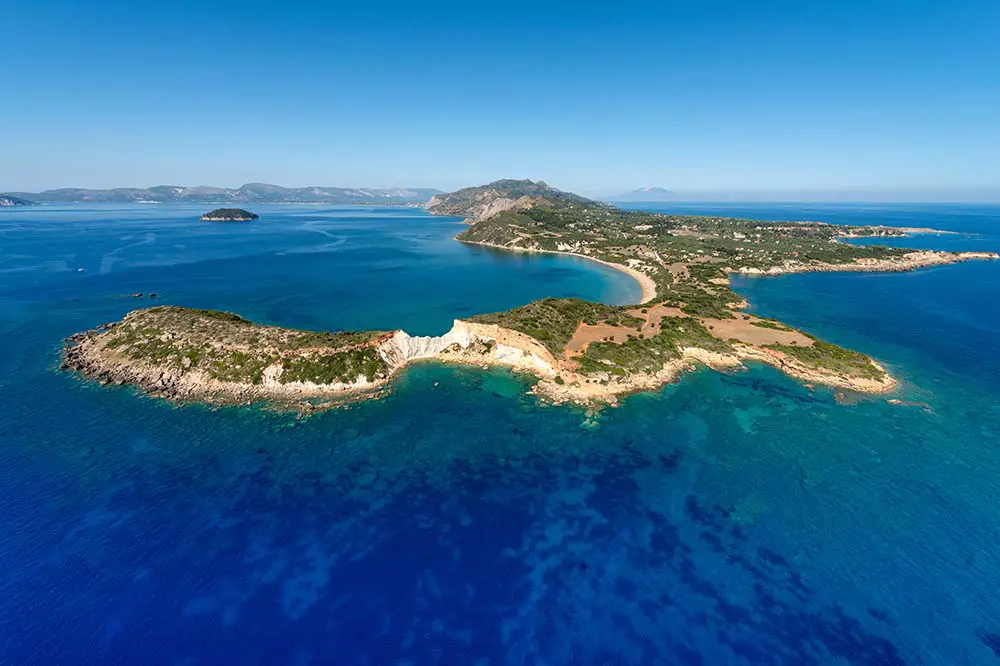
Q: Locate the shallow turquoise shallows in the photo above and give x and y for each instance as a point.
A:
(729, 519)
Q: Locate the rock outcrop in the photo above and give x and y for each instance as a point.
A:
(8, 201)
(906, 262)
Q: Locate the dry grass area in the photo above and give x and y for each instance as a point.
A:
(691, 233)
(743, 327)
(587, 333)
(679, 270)
(745, 330)
(652, 316)
(224, 330)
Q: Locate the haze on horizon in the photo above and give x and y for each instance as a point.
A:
(856, 101)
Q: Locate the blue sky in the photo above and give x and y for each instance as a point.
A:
(872, 96)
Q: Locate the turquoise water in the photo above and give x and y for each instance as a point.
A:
(739, 518)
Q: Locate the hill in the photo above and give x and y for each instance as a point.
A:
(478, 203)
(14, 201)
(248, 193)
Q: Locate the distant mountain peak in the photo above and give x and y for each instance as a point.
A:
(647, 193)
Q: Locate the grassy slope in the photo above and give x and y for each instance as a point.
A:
(230, 348)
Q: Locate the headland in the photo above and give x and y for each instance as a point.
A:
(9, 201)
(580, 351)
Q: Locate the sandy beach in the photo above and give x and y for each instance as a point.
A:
(645, 282)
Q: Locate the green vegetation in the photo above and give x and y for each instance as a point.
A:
(209, 314)
(639, 354)
(239, 366)
(688, 257)
(467, 202)
(552, 321)
(344, 366)
(700, 301)
(229, 348)
(229, 215)
(829, 356)
(770, 323)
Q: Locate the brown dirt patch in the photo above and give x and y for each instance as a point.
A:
(745, 331)
(587, 333)
(690, 233)
(679, 270)
(652, 317)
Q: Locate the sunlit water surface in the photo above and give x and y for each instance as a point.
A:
(728, 519)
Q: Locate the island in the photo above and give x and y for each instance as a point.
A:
(7, 200)
(580, 351)
(229, 215)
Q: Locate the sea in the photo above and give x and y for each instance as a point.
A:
(730, 518)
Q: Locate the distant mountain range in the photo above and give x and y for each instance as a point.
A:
(647, 194)
(14, 201)
(249, 193)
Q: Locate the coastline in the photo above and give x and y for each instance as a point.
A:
(646, 283)
(907, 262)
(234, 361)
(475, 344)
(899, 232)
(578, 389)
(95, 354)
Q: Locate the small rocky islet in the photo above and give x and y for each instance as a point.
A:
(229, 215)
(584, 352)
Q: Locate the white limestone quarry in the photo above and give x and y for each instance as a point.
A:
(467, 342)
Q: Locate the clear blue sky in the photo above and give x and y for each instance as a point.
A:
(590, 97)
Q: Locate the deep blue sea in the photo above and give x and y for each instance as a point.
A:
(729, 519)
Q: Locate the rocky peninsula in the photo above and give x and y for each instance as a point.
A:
(7, 200)
(212, 356)
(580, 351)
(229, 215)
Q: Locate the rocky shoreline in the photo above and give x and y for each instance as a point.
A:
(94, 355)
(907, 262)
(581, 390)
(184, 354)
(84, 354)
